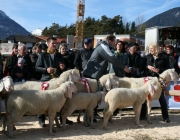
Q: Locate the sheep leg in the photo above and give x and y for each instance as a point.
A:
(106, 118)
(137, 111)
(4, 124)
(51, 121)
(57, 122)
(149, 102)
(0, 107)
(65, 114)
(85, 118)
(78, 118)
(90, 115)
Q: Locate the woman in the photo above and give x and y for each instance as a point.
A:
(156, 64)
(119, 53)
(68, 56)
(172, 58)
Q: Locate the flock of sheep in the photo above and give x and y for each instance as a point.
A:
(69, 93)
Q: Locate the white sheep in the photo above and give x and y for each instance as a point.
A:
(80, 101)
(6, 85)
(104, 82)
(72, 74)
(124, 97)
(167, 76)
(32, 102)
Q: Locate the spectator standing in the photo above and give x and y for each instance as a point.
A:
(83, 55)
(172, 58)
(20, 72)
(119, 53)
(156, 63)
(14, 52)
(34, 56)
(134, 61)
(50, 64)
(68, 56)
(13, 60)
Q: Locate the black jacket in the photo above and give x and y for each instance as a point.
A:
(82, 57)
(160, 62)
(135, 62)
(44, 61)
(173, 62)
(69, 59)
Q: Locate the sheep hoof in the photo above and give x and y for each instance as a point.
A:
(103, 128)
(54, 130)
(149, 122)
(86, 125)
(51, 134)
(12, 137)
(78, 121)
(58, 126)
(92, 127)
(14, 128)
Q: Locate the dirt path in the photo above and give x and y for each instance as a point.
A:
(123, 127)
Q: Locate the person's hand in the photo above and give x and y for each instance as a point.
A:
(62, 66)
(126, 69)
(50, 70)
(151, 68)
(156, 70)
(19, 75)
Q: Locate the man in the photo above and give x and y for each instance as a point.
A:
(50, 64)
(83, 55)
(161, 48)
(134, 61)
(12, 62)
(98, 63)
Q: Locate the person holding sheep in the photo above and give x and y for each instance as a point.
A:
(156, 64)
(97, 65)
(50, 64)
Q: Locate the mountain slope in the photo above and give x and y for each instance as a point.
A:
(10, 27)
(167, 18)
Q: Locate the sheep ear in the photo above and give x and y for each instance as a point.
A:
(69, 92)
(108, 84)
(1, 85)
(70, 77)
(151, 89)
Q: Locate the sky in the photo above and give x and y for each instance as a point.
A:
(33, 14)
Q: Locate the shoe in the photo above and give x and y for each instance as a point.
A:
(94, 120)
(42, 124)
(69, 122)
(97, 116)
(167, 121)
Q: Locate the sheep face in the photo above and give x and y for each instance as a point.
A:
(111, 83)
(74, 76)
(6, 83)
(153, 86)
(70, 88)
(174, 76)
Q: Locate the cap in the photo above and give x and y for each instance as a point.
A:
(131, 45)
(20, 61)
(87, 40)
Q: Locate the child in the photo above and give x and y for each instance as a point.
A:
(20, 73)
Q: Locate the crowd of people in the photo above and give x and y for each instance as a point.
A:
(110, 56)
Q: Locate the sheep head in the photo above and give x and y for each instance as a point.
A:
(74, 75)
(173, 75)
(69, 88)
(109, 81)
(153, 86)
(7, 84)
